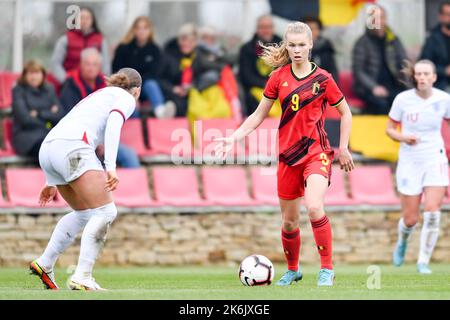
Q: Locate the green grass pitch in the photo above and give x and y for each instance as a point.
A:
(212, 282)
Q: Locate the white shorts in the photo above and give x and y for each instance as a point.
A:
(412, 176)
(64, 161)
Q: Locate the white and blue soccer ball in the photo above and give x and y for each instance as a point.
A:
(256, 270)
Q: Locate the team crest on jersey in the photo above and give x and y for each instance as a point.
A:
(315, 88)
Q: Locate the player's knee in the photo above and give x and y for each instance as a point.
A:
(410, 221)
(290, 224)
(314, 210)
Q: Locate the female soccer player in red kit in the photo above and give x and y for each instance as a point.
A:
(305, 155)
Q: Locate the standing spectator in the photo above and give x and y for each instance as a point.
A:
(322, 52)
(66, 55)
(437, 47)
(35, 109)
(82, 82)
(378, 56)
(175, 79)
(139, 51)
(253, 71)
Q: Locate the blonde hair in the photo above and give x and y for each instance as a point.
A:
(276, 55)
(125, 78)
(129, 36)
(32, 66)
(408, 72)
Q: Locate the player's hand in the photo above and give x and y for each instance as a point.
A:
(223, 147)
(411, 140)
(46, 195)
(112, 180)
(380, 91)
(346, 160)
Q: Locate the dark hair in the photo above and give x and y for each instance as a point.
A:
(442, 5)
(407, 72)
(125, 78)
(313, 19)
(94, 19)
(32, 65)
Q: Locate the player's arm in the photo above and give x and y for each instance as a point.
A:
(112, 139)
(345, 158)
(247, 127)
(393, 133)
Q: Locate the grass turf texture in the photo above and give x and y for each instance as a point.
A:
(214, 282)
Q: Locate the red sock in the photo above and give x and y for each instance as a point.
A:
(291, 246)
(322, 235)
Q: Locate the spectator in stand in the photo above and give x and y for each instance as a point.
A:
(66, 55)
(175, 80)
(378, 56)
(139, 51)
(322, 52)
(253, 71)
(83, 81)
(437, 47)
(35, 110)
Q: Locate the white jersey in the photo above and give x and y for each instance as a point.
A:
(87, 120)
(423, 119)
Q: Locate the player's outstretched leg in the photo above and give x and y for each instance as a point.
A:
(290, 238)
(63, 236)
(428, 238)
(92, 240)
(404, 233)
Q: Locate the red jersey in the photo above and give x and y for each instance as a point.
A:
(303, 102)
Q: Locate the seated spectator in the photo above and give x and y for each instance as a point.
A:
(437, 47)
(35, 110)
(322, 52)
(66, 55)
(253, 72)
(139, 51)
(214, 92)
(378, 56)
(175, 79)
(82, 82)
(209, 40)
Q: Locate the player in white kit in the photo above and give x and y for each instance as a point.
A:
(422, 167)
(68, 159)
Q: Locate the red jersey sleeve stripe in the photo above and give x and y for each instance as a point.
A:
(121, 113)
(338, 102)
(275, 98)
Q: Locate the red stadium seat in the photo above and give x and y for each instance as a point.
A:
(132, 136)
(23, 187)
(170, 135)
(336, 194)
(372, 185)
(446, 136)
(7, 82)
(264, 185)
(133, 189)
(177, 186)
(207, 130)
(264, 140)
(345, 84)
(226, 186)
(7, 149)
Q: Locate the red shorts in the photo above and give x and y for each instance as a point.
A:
(291, 181)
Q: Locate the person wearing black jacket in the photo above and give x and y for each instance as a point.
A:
(253, 72)
(437, 47)
(139, 51)
(35, 109)
(322, 52)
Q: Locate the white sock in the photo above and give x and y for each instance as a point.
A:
(404, 232)
(63, 235)
(93, 238)
(429, 235)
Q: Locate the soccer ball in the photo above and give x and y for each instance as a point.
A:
(256, 270)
